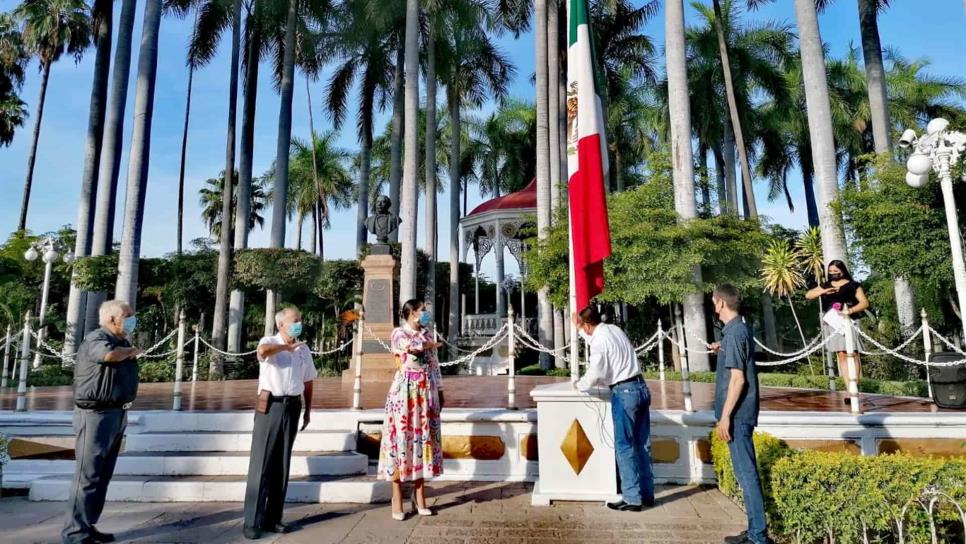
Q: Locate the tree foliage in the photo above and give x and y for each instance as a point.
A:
(281, 270)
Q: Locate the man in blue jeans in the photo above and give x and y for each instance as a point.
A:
(613, 363)
(736, 406)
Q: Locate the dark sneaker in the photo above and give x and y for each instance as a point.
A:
(101, 537)
(622, 506)
(280, 528)
(737, 539)
(252, 533)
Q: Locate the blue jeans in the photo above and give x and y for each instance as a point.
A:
(746, 472)
(630, 406)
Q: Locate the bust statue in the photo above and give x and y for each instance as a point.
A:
(382, 223)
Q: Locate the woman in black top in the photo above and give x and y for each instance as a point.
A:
(843, 290)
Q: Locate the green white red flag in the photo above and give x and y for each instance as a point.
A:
(586, 160)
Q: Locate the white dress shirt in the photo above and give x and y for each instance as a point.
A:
(285, 373)
(612, 357)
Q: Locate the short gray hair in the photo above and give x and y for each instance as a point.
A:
(281, 314)
(112, 308)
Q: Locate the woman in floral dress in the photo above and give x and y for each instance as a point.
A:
(411, 448)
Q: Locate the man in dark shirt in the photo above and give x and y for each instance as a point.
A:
(105, 385)
(736, 406)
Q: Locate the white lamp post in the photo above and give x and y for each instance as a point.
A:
(939, 150)
(50, 256)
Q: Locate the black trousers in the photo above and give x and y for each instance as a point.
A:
(99, 435)
(268, 465)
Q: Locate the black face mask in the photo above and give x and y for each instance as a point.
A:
(834, 277)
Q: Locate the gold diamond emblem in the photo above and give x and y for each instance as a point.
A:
(576, 447)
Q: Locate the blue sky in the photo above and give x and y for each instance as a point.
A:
(925, 28)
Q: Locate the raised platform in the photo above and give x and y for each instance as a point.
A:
(200, 454)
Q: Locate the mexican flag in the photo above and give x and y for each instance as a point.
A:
(586, 160)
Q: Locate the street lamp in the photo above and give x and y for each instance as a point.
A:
(939, 150)
(47, 247)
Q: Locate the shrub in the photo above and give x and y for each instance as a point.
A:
(50, 375)
(768, 450)
(532, 370)
(820, 496)
(915, 388)
(158, 371)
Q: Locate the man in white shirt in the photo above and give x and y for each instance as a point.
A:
(285, 374)
(613, 363)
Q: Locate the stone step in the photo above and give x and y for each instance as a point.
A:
(317, 489)
(198, 464)
(233, 441)
(236, 421)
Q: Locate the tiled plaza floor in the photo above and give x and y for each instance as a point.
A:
(467, 512)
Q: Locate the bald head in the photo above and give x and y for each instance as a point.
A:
(112, 314)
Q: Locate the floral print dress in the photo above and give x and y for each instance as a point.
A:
(411, 447)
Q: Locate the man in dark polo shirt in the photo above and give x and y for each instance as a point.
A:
(105, 385)
(736, 406)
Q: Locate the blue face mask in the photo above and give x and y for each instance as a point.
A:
(426, 318)
(130, 323)
(295, 329)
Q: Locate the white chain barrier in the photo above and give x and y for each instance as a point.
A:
(949, 344)
(906, 358)
(913, 337)
(226, 353)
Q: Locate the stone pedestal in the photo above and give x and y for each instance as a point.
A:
(378, 303)
(575, 441)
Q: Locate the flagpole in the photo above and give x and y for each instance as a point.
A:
(574, 337)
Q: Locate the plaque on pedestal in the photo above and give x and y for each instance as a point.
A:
(378, 303)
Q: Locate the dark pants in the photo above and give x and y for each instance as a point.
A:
(630, 406)
(271, 452)
(99, 435)
(746, 472)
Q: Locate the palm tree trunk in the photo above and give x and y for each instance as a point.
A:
(219, 324)
(314, 230)
(396, 140)
(733, 112)
(280, 196)
(721, 183)
(728, 155)
(562, 115)
(365, 158)
(184, 157)
(684, 205)
(298, 230)
(137, 171)
(454, 213)
(77, 299)
(236, 305)
(553, 106)
(875, 76)
(109, 164)
(432, 219)
(820, 128)
(811, 206)
(543, 169)
(408, 205)
(35, 139)
(317, 221)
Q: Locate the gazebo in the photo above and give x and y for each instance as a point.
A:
(496, 225)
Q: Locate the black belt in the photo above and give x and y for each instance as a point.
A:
(628, 380)
(285, 399)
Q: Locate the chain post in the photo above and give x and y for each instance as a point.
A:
(660, 349)
(927, 348)
(357, 384)
(6, 357)
(852, 368)
(511, 384)
(179, 362)
(24, 364)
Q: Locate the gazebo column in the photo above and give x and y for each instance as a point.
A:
(500, 274)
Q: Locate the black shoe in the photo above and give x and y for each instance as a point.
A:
(622, 506)
(252, 533)
(649, 504)
(280, 528)
(737, 539)
(101, 537)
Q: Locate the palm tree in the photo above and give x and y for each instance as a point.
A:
(319, 180)
(212, 207)
(473, 70)
(875, 75)
(543, 167)
(398, 122)
(506, 144)
(430, 163)
(137, 173)
(50, 29)
(102, 18)
(109, 164)
(408, 204)
(820, 128)
(680, 129)
(13, 63)
(362, 43)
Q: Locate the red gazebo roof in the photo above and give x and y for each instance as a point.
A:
(523, 199)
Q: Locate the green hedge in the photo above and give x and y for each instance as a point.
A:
(769, 379)
(815, 497)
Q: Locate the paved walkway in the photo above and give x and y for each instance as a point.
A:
(468, 512)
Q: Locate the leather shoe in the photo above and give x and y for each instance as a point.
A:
(252, 533)
(622, 506)
(280, 528)
(101, 537)
(737, 539)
